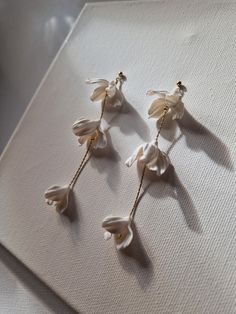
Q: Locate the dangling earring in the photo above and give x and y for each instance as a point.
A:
(91, 133)
(150, 158)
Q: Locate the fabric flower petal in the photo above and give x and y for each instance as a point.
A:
(171, 100)
(124, 239)
(58, 196)
(156, 109)
(98, 94)
(150, 151)
(100, 140)
(111, 89)
(84, 127)
(98, 81)
(178, 111)
(115, 224)
(161, 93)
(107, 235)
(136, 154)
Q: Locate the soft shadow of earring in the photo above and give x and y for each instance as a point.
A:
(131, 121)
(198, 137)
(184, 199)
(134, 259)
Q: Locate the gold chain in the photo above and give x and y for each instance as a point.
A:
(81, 166)
(134, 208)
(162, 122)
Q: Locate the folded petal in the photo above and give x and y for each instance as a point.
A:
(124, 239)
(56, 192)
(98, 81)
(172, 100)
(83, 139)
(101, 139)
(107, 235)
(178, 111)
(115, 97)
(160, 93)
(111, 89)
(150, 151)
(159, 164)
(115, 224)
(136, 154)
(157, 107)
(84, 127)
(98, 94)
(162, 163)
(58, 196)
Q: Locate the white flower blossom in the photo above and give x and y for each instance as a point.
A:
(120, 227)
(88, 130)
(58, 196)
(108, 90)
(153, 158)
(172, 101)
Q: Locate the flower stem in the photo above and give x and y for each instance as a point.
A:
(162, 122)
(81, 166)
(134, 208)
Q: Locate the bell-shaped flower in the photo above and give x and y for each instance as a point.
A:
(120, 228)
(58, 196)
(107, 91)
(88, 130)
(171, 101)
(153, 158)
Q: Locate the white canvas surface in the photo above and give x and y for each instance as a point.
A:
(183, 257)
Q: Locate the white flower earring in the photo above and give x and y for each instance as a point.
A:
(150, 157)
(90, 132)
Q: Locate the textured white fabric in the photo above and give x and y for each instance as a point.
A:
(183, 259)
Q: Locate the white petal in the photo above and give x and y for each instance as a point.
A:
(125, 239)
(115, 224)
(115, 98)
(83, 139)
(56, 192)
(58, 196)
(163, 163)
(98, 94)
(150, 152)
(84, 127)
(160, 93)
(111, 89)
(101, 139)
(136, 154)
(177, 91)
(178, 111)
(107, 235)
(156, 109)
(159, 164)
(101, 82)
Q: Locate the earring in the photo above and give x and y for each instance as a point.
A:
(150, 158)
(90, 132)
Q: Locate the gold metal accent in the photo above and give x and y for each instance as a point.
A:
(81, 166)
(135, 205)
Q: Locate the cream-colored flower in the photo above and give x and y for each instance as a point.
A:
(171, 100)
(153, 158)
(88, 130)
(108, 90)
(58, 196)
(120, 227)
